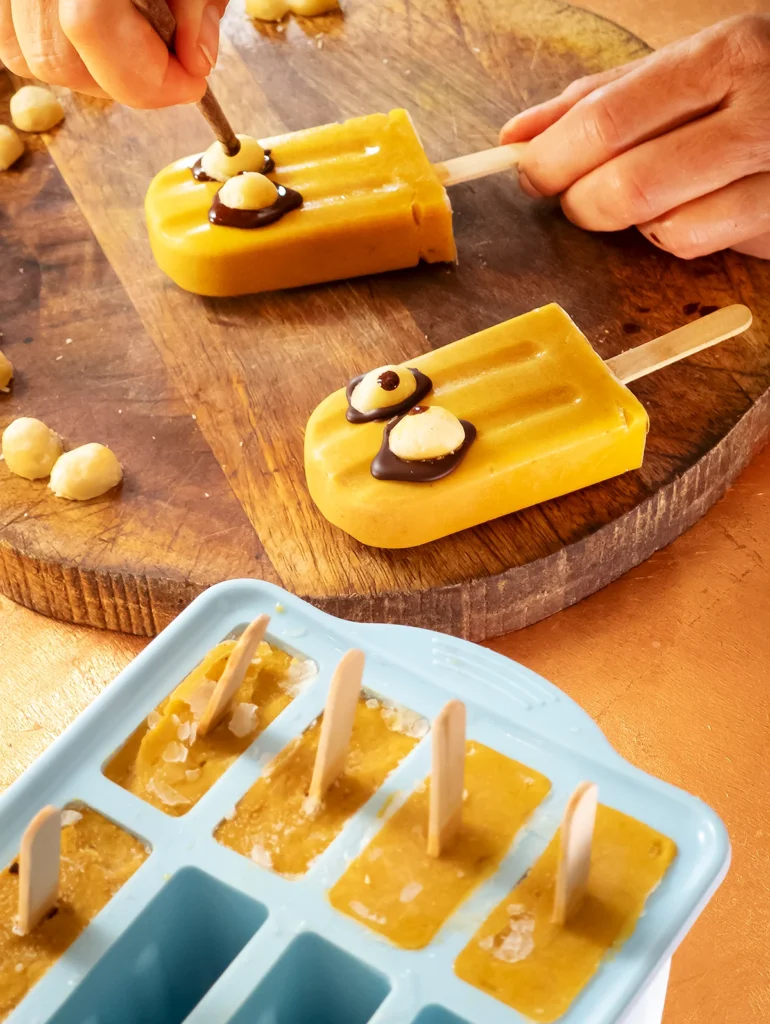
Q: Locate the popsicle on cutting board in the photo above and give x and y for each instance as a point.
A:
(278, 827)
(371, 201)
(522, 958)
(396, 888)
(530, 411)
(97, 858)
(167, 763)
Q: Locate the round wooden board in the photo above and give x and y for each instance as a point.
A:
(205, 400)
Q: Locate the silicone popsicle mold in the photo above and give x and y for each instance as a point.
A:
(202, 934)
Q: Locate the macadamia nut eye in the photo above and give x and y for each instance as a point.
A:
(248, 191)
(427, 432)
(219, 166)
(381, 388)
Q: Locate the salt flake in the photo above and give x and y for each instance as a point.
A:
(243, 720)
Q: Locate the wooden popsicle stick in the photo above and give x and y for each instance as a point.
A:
(234, 674)
(337, 723)
(577, 833)
(162, 20)
(684, 341)
(447, 780)
(39, 863)
(479, 165)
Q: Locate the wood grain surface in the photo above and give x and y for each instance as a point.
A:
(205, 400)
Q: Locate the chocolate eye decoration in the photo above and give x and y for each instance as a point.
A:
(425, 444)
(385, 392)
(251, 200)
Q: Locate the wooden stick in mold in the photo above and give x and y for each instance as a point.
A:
(337, 723)
(577, 833)
(447, 780)
(684, 341)
(234, 674)
(39, 864)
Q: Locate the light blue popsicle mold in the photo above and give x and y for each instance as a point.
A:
(200, 934)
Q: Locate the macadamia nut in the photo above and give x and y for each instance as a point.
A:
(267, 10)
(248, 191)
(426, 432)
(218, 165)
(30, 448)
(309, 8)
(383, 387)
(6, 372)
(86, 472)
(11, 147)
(34, 109)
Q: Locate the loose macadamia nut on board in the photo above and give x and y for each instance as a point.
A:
(86, 472)
(6, 372)
(11, 147)
(34, 109)
(30, 448)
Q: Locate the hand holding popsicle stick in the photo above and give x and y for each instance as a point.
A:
(39, 864)
(577, 833)
(234, 674)
(447, 780)
(337, 723)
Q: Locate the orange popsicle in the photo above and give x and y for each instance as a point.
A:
(372, 201)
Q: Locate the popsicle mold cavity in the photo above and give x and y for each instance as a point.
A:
(551, 418)
(538, 968)
(397, 889)
(280, 828)
(167, 764)
(372, 202)
(97, 859)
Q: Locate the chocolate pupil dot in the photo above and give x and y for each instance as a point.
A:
(389, 380)
(417, 410)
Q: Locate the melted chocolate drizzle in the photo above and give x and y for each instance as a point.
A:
(227, 217)
(387, 466)
(200, 175)
(424, 385)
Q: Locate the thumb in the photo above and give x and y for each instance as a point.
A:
(197, 33)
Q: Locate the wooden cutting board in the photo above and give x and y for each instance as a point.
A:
(205, 401)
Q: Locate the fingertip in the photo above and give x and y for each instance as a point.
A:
(526, 186)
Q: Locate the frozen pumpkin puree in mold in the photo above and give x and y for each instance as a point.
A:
(538, 968)
(97, 859)
(167, 764)
(395, 888)
(278, 826)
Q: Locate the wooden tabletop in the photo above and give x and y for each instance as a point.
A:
(672, 660)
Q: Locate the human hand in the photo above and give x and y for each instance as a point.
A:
(107, 48)
(677, 143)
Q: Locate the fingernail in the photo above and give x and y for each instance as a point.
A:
(527, 187)
(208, 40)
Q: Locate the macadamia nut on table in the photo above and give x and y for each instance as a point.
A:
(86, 472)
(11, 147)
(30, 448)
(34, 109)
(6, 372)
